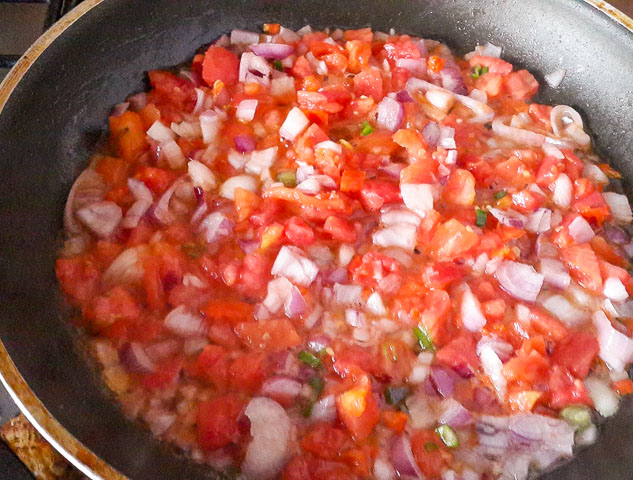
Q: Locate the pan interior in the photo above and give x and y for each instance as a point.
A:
(59, 109)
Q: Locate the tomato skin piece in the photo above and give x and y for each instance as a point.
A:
(584, 266)
(430, 461)
(372, 267)
(368, 82)
(340, 229)
(377, 193)
(576, 353)
(495, 65)
(460, 354)
(324, 441)
(520, 85)
(361, 426)
(460, 188)
(298, 232)
(268, 336)
(452, 239)
(246, 373)
(78, 277)
(565, 390)
(217, 421)
(220, 64)
(115, 305)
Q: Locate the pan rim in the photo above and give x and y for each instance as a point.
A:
(28, 403)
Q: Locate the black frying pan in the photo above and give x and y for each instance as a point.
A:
(57, 101)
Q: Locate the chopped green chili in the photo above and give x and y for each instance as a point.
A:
(430, 447)
(499, 195)
(288, 178)
(577, 416)
(309, 359)
(448, 436)
(478, 71)
(278, 65)
(367, 129)
(317, 385)
(389, 351)
(482, 217)
(422, 334)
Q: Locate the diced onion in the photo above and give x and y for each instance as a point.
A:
(555, 78)
(440, 99)
(184, 323)
(565, 311)
(276, 51)
(418, 197)
(210, 126)
(294, 124)
(519, 280)
(243, 37)
(246, 110)
(562, 191)
(390, 114)
(101, 218)
(160, 132)
(554, 273)
(616, 349)
(619, 206)
(261, 160)
(470, 310)
(201, 175)
(351, 295)
(247, 182)
(615, 290)
(294, 265)
(604, 398)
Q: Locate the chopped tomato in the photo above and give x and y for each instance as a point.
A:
(430, 453)
(358, 411)
(269, 335)
(220, 64)
(368, 82)
(566, 390)
(495, 65)
(127, 135)
(460, 188)
(460, 354)
(324, 441)
(584, 266)
(217, 421)
(78, 277)
(376, 193)
(371, 268)
(298, 232)
(246, 373)
(452, 239)
(520, 85)
(576, 353)
(228, 311)
(115, 305)
(340, 229)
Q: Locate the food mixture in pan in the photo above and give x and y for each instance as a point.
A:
(350, 254)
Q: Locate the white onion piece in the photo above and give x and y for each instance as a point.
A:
(478, 95)
(562, 191)
(619, 206)
(201, 175)
(470, 310)
(489, 50)
(354, 318)
(390, 114)
(135, 213)
(616, 349)
(351, 295)
(397, 215)
(88, 188)
(522, 136)
(519, 280)
(509, 218)
(329, 145)
(246, 110)
(604, 398)
(446, 138)
(292, 263)
(503, 349)
(184, 323)
(136, 359)
(441, 99)
(539, 221)
(278, 291)
(454, 414)
(295, 123)
(210, 126)
(161, 210)
(295, 305)
(580, 230)
(418, 197)
(554, 273)
(126, 268)
(159, 420)
(271, 430)
(261, 160)
(281, 387)
(483, 113)
(552, 151)
(567, 313)
(324, 410)
(139, 190)
(188, 130)
(282, 86)
(492, 366)
(593, 173)
(310, 186)
(276, 51)
(375, 304)
(247, 182)
(562, 116)
(160, 132)
(101, 218)
(238, 160)
(383, 469)
(172, 152)
(555, 78)
(243, 37)
(615, 290)
(403, 235)
(215, 227)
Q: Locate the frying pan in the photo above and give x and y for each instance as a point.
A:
(54, 106)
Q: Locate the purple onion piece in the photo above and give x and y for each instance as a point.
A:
(135, 359)
(431, 133)
(442, 380)
(616, 234)
(403, 96)
(244, 143)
